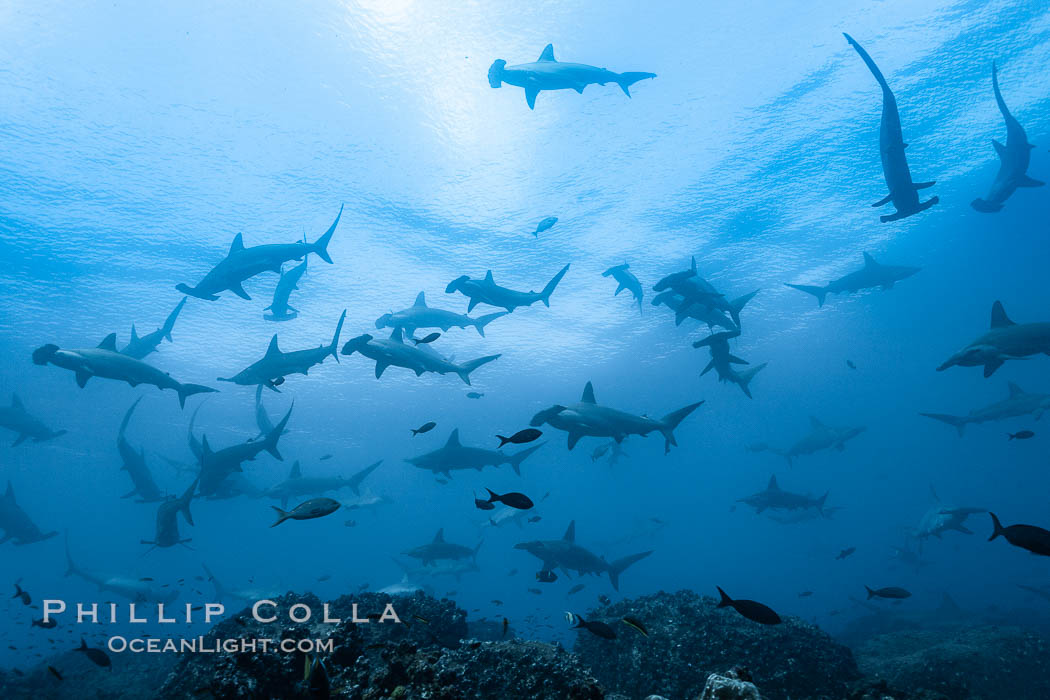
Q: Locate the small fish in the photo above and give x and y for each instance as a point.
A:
(805, 594)
(197, 607)
(474, 395)
(425, 428)
(512, 499)
(482, 504)
(506, 625)
(575, 589)
(443, 482)
(604, 599)
(1021, 435)
(496, 602)
(422, 619)
(521, 437)
(595, 627)
(849, 363)
(892, 592)
(145, 578)
(323, 577)
(845, 553)
(752, 610)
(636, 624)
(96, 656)
(276, 382)
(512, 572)
(307, 510)
(54, 672)
(21, 595)
(546, 576)
(545, 225)
(535, 519)
(428, 339)
(50, 624)
(599, 452)
(322, 458)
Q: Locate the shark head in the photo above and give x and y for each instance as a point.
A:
(356, 344)
(384, 321)
(534, 548)
(545, 415)
(496, 73)
(43, 354)
(456, 284)
(972, 356)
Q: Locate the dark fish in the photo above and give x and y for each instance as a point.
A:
(307, 510)
(849, 363)
(545, 225)
(1021, 435)
(535, 519)
(546, 576)
(512, 499)
(604, 599)
(512, 572)
(277, 382)
(575, 589)
(96, 656)
(324, 457)
(443, 482)
(422, 619)
(482, 504)
(50, 624)
(846, 552)
(750, 609)
(323, 577)
(1035, 539)
(496, 602)
(145, 578)
(197, 607)
(506, 624)
(892, 592)
(315, 676)
(536, 591)
(425, 428)
(54, 672)
(521, 437)
(636, 624)
(428, 339)
(474, 395)
(599, 629)
(24, 597)
(805, 594)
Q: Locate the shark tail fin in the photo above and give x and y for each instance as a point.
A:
(821, 501)
(819, 292)
(746, 376)
(466, 368)
(958, 421)
(997, 527)
(481, 321)
(737, 305)
(617, 567)
(320, 246)
(274, 435)
(672, 420)
(169, 322)
(333, 349)
(545, 295)
(282, 515)
(518, 457)
(871, 593)
(191, 389)
(474, 554)
(184, 501)
(626, 80)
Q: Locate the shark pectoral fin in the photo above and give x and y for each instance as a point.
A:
(991, 366)
(380, 368)
(1026, 181)
(573, 439)
(472, 304)
(924, 185)
(82, 377)
(20, 439)
(885, 200)
(530, 95)
(237, 289)
(840, 446)
(579, 88)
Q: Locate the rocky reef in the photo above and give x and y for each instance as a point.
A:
(690, 638)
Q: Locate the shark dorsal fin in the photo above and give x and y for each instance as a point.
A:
(548, 54)
(296, 472)
(17, 402)
(773, 484)
(453, 439)
(205, 447)
(109, 343)
(421, 300)
(488, 277)
(570, 534)
(869, 261)
(397, 335)
(238, 244)
(134, 334)
(1014, 390)
(588, 394)
(273, 349)
(815, 422)
(692, 264)
(440, 536)
(999, 317)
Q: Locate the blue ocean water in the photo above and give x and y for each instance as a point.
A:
(138, 140)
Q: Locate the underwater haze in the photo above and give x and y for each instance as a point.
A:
(138, 140)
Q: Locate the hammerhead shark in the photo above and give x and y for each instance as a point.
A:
(104, 361)
(548, 74)
(280, 309)
(138, 347)
(274, 365)
(419, 315)
(820, 437)
(1018, 402)
(1005, 340)
(873, 274)
(722, 361)
(454, 455)
(1014, 158)
(566, 555)
(903, 192)
(217, 465)
(16, 419)
(134, 589)
(243, 263)
(438, 549)
(395, 351)
(296, 485)
(775, 498)
(587, 419)
(691, 296)
(17, 526)
(486, 291)
(625, 280)
(134, 463)
(167, 533)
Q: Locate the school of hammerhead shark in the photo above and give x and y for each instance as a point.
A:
(219, 472)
